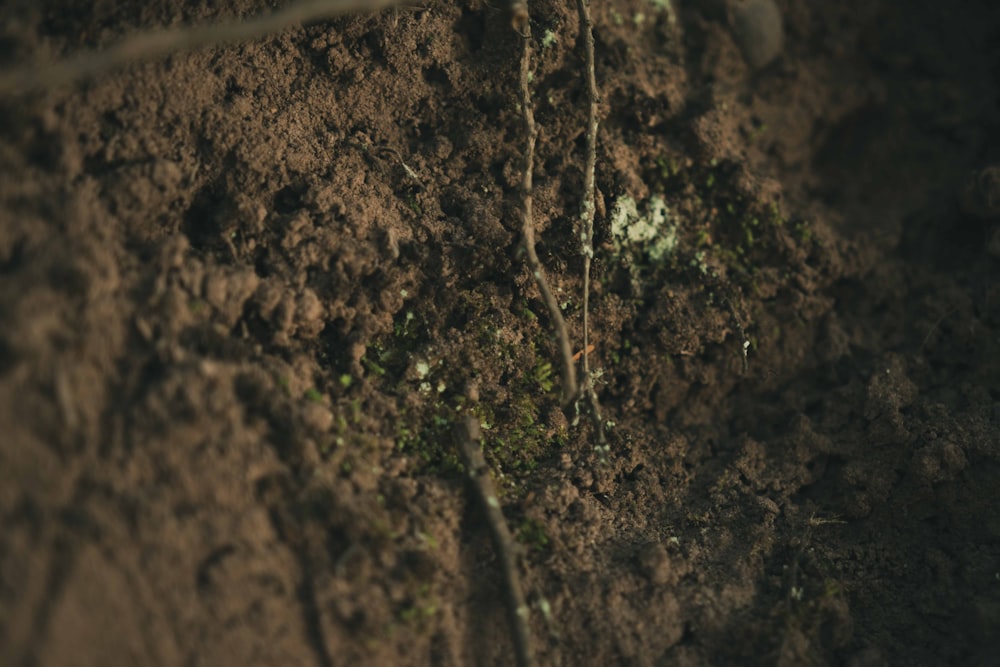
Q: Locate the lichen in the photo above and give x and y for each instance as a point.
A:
(651, 233)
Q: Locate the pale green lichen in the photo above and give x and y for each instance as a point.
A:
(651, 232)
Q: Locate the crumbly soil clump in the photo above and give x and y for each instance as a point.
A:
(247, 290)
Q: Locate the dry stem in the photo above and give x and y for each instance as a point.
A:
(528, 229)
(155, 44)
(467, 436)
(587, 207)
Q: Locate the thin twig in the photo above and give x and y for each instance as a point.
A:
(587, 208)
(154, 44)
(467, 435)
(934, 327)
(528, 228)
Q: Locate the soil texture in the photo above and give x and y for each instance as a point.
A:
(247, 290)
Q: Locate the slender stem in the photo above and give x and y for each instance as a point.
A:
(528, 230)
(587, 208)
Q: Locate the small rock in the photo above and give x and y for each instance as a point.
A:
(759, 31)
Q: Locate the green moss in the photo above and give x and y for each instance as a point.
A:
(531, 533)
(412, 204)
(668, 168)
(515, 438)
(421, 606)
(405, 326)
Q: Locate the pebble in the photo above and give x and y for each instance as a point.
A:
(758, 29)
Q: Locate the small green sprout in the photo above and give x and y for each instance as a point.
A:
(542, 376)
(371, 365)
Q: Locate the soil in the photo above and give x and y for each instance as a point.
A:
(246, 290)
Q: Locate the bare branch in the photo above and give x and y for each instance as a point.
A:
(155, 44)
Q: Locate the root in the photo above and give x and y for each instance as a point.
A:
(568, 368)
(149, 45)
(467, 435)
(587, 210)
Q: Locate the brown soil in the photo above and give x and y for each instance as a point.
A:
(246, 290)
